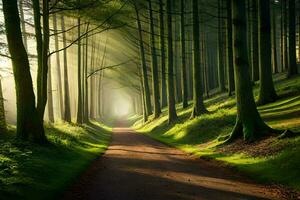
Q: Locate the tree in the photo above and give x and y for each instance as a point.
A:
(267, 92)
(221, 63)
(50, 94)
(155, 78)
(183, 59)
(249, 124)
(199, 107)
(254, 42)
(79, 78)
(3, 126)
(292, 64)
(27, 127)
(172, 115)
(67, 111)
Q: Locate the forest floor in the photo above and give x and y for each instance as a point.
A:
(136, 167)
(267, 161)
(29, 171)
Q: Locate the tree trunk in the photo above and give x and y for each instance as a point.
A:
(292, 67)
(254, 43)
(199, 107)
(274, 41)
(50, 94)
(27, 127)
(23, 24)
(86, 91)
(144, 65)
(79, 78)
(172, 115)
(221, 63)
(183, 59)
(155, 78)
(3, 126)
(59, 79)
(249, 124)
(163, 55)
(229, 49)
(67, 113)
(267, 92)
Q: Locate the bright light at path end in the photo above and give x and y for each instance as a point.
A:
(122, 108)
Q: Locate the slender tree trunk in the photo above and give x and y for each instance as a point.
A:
(27, 127)
(50, 94)
(163, 54)
(267, 92)
(285, 25)
(59, 79)
(92, 81)
(23, 24)
(79, 78)
(254, 43)
(229, 49)
(3, 126)
(274, 41)
(183, 59)
(86, 94)
(67, 113)
(221, 63)
(249, 124)
(144, 65)
(199, 107)
(292, 67)
(155, 77)
(172, 115)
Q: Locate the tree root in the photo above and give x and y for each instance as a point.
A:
(288, 134)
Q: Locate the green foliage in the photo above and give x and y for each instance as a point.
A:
(28, 171)
(199, 136)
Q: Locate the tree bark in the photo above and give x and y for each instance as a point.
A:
(172, 115)
(183, 59)
(254, 43)
(274, 41)
(249, 124)
(155, 78)
(3, 126)
(221, 63)
(50, 94)
(199, 107)
(267, 92)
(79, 78)
(27, 127)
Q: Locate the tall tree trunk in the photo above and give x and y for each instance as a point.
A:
(50, 94)
(172, 115)
(155, 77)
(59, 79)
(144, 65)
(67, 111)
(221, 63)
(183, 59)
(285, 26)
(23, 24)
(274, 41)
(199, 107)
(92, 81)
(292, 67)
(27, 127)
(86, 86)
(163, 54)
(267, 92)
(229, 49)
(3, 126)
(249, 124)
(254, 43)
(79, 78)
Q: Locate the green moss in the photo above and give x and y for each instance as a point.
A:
(29, 171)
(199, 136)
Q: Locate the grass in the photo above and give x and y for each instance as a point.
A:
(29, 171)
(267, 161)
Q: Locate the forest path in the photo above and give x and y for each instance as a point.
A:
(136, 167)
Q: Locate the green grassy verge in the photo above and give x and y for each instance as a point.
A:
(269, 160)
(29, 171)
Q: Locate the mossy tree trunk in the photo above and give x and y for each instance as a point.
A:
(199, 107)
(155, 77)
(249, 124)
(29, 124)
(267, 92)
(172, 115)
(292, 67)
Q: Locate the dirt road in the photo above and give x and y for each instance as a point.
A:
(136, 167)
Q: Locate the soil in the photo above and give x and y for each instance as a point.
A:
(136, 167)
